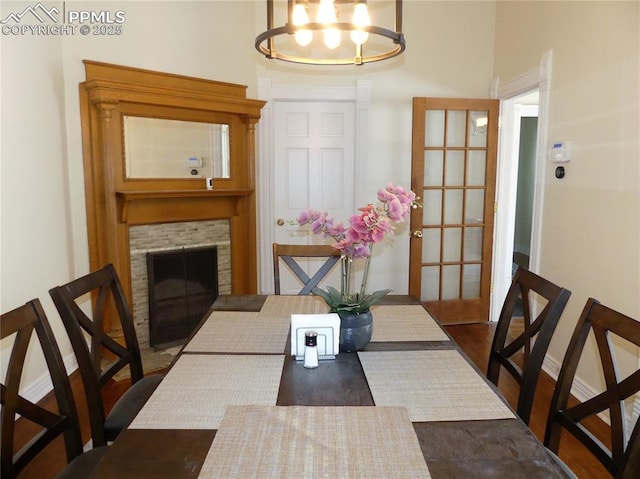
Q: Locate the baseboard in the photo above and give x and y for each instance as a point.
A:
(42, 386)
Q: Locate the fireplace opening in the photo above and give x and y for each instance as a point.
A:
(183, 284)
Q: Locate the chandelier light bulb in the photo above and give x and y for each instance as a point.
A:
(299, 18)
(327, 12)
(331, 38)
(360, 19)
(303, 37)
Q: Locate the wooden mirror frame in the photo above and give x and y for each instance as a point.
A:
(114, 202)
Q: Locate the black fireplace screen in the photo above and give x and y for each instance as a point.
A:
(182, 285)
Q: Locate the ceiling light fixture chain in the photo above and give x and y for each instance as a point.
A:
(305, 29)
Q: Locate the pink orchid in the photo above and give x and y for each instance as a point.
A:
(370, 226)
(396, 211)
(336, 231)
(308, 216)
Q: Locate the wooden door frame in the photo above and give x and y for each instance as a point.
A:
(360, 94)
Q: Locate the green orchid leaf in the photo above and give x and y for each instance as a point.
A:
(354, 304)
(374, 298)
(331, 295)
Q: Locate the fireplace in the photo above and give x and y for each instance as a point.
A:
(182, 284)
(163, 238)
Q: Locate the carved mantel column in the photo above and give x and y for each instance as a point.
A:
(105, 159)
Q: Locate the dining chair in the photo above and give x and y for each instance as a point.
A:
(609, 328)
(100, 360)
(522, 356)
(17, 409)
(288, 252)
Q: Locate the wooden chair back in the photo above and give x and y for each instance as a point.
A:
(518, 356)
(104, 357)
(288, 252)
(608, 326)
(22, 322)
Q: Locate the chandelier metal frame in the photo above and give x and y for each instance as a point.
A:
(265, 43)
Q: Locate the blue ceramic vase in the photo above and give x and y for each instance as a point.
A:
(355, 330)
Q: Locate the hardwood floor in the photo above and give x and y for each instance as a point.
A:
(474, 339)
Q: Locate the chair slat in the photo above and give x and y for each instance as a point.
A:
(288, 254)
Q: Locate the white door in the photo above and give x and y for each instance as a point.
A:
(314, 161)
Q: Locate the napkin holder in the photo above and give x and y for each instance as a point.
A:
(326, 325)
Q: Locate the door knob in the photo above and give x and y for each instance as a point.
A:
(280, 222)
(417, 234)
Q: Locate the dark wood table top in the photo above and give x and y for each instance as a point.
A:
(503, 448)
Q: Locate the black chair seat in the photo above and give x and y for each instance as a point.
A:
(83, 465)
(129, 404)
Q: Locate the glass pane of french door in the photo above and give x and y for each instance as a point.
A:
(453, 165)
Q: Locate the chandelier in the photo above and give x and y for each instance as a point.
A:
(313, 33)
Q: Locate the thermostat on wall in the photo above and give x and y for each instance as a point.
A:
(561, 151)
(194, 162)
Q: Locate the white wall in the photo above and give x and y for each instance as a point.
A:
(35, 250)
(591, 218)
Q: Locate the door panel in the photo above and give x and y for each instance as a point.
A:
(314, 165)
(454, 155)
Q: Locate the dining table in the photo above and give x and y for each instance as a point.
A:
(236, 403)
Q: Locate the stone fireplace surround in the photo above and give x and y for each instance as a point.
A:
(150, 238)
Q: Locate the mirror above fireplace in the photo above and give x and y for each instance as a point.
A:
(163, 148)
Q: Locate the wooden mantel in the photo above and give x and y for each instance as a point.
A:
(168, 206)
(115, 202)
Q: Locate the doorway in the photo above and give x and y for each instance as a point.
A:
(527, 113)
(517, 96)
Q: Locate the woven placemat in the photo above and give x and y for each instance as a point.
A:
(405, 323)
(196, 391)
(284, 306)
(240, 332)
(315, 442)
(436, 385)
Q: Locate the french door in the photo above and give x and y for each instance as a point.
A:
(453, 170)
